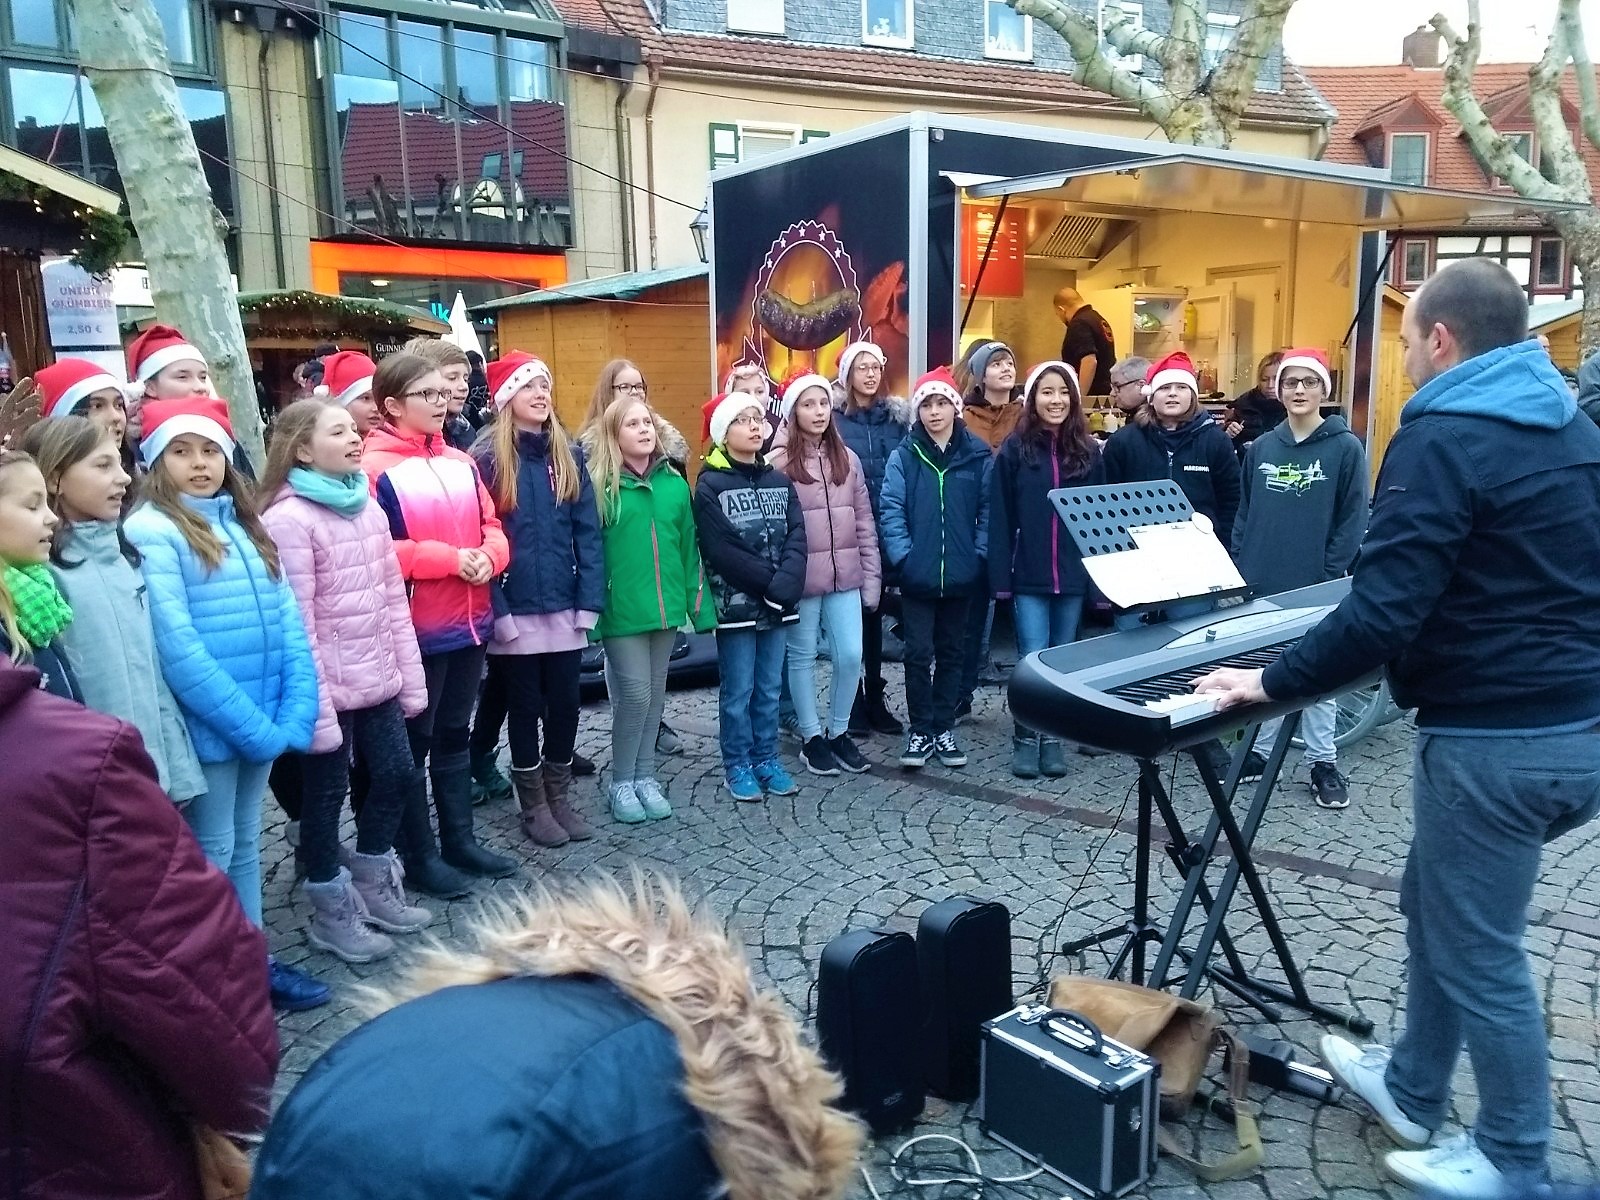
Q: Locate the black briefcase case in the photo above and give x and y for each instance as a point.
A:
(868, 1018)
(964, 962)
(1061, 1094)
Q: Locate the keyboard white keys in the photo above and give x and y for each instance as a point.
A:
(1184, 707)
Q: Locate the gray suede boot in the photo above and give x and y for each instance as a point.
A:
(1052, 758)
(339, 921)
(558, 787)
(537, 823)
(1025, 753)
(377, 879)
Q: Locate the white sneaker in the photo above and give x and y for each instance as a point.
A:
(1456, 1169)
(1359, 1070)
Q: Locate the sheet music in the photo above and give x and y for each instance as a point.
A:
(1176, 561)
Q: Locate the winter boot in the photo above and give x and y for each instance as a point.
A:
(427, 872)
(1052, 758)
(488, 781)
(339, 921)
(451, 776)
(879, 716)
(533, 800)
(1025, 753)
(377, 878)
(558, 790)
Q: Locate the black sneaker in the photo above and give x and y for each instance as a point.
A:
(964, 710)
(582, 765)
(818, 756)
(1328, 786)
(1254, 767)
(861, 718)
(949, 750)
(846, 754)
(919, 749)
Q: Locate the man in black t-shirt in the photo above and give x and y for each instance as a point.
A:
(1088, 345)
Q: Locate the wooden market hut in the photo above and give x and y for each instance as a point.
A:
(1562, 323)
(659, 319)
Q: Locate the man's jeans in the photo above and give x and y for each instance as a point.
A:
(751, 665)
(1316, 732)
(1483, 809)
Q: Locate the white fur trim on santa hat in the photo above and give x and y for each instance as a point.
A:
(352, 393)
(848, 356)
(732, 405)
(82, 390)
(792, 393)
(1063, 369)
(161, 437)
(159, 360)
(1306, 363)
(935, 387)
(519, 379)
(1172, 375)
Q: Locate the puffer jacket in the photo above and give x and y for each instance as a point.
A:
(873, 434)
(557, 564)
(991, 424)
(936, 513)
(1031, 551)
(111, 649)
(595, 1047)
(231, 642)
(133, 989)
(437, 506)
(1198, 455)
(346, 578)
(841, 534)
(752, 541)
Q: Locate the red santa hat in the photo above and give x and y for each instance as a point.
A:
(793, 389)
(1174, 368)
(512, 372)
(346, 375)
(68, 382)
(1060, 368)
(937, 382)
(732, 404)
(156, 349)
(164, 420)
(848, 356)
(1307, 358)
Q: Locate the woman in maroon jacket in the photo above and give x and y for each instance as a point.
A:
(133, 990)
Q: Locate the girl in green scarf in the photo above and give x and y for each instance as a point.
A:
(32, 610)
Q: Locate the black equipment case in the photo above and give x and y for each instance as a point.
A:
(868, 1020)
(964, 960)
(1061, 1094)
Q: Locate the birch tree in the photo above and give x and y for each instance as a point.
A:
(124, 53)
(1565, 176)
(1192, 102)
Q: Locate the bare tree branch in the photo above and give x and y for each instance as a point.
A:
(1183, 60)
(1126, 38)
(1233, 82)
(1556, 144)
(1569, 16)
(1092, 67)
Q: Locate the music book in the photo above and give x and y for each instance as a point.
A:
(1179, 560)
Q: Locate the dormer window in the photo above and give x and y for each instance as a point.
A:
(1408, 158)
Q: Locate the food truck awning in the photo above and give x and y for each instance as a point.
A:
(1313, 192)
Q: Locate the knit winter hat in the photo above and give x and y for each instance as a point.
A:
(1174, 368)
(732, 405)
(848, 356)
(980, 359)
(68, 382)
(510, 373)
(743, 369)
(1307, 358)
(156, 349)
(796, 386)
(937, 382)
(1063, 369)
(345, 376)
(166, 419)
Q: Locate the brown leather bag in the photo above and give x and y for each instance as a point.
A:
(1180, 1034)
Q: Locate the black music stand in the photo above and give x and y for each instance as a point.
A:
(1100, 520)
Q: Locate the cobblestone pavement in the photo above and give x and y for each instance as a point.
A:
(876, 849)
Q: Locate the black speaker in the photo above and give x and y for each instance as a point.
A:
(964, 960)
(867, 1024)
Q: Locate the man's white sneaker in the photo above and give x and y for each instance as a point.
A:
(1455, 1169)
(1359, 1070)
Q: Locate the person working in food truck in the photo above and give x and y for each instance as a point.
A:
(1259, 410)
(1088, 345)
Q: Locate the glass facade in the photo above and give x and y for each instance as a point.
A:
(446, 132)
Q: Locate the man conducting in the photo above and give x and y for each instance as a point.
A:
(1478, 585)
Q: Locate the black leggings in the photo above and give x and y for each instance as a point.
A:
(540, 687)
(442, 730)
(287, 784)
(493, 706)
(378, 734)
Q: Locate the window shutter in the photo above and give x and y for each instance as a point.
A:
(724, 145)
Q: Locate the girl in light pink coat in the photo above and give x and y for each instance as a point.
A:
(340, 560)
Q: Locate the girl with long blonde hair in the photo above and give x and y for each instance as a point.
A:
(33, 613)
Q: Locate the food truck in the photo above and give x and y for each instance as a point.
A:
(926, 232)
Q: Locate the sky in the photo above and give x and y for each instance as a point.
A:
(1328, 33)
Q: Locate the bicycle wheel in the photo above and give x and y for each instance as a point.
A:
(1360, 712)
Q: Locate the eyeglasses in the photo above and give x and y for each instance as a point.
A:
(1122, 383)
(631, 389)
(430, 395)
(745, 419)
(1300, 385)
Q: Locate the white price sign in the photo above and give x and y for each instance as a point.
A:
(79, 307)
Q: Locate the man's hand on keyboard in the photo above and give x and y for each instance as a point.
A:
(1233, 687)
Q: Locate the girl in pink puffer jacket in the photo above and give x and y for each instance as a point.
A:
(340, 560)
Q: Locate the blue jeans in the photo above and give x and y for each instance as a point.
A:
(751, 664)
(840, 614)
(1043, 621)
(1483, 809)
(227, 824)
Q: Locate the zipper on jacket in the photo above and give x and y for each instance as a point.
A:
(1055, 540)
(943, 523)
(444, 490)
(661, 591)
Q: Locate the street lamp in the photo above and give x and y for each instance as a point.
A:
(699, 228)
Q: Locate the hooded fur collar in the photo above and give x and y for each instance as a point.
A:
(671, 442)
(898, 407)
(766, 1098)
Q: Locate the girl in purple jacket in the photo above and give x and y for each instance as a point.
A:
(843, 572)
(338, 557)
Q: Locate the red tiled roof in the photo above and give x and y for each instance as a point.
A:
(1360, 92)
(373, 134)
(758, 58)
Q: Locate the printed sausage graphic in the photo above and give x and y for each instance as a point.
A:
(808, 326)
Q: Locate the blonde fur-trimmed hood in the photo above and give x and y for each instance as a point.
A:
(671, 442)
(898, 406)
(766, 1099)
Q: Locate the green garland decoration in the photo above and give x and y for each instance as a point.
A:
(102, 236)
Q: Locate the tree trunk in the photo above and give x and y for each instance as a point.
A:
(1581, 231)
(124, 54)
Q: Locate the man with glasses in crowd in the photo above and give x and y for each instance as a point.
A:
(1127, 384)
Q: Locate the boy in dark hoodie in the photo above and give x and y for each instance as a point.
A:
(1302, 511)
(753, 543)
(935, 512)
